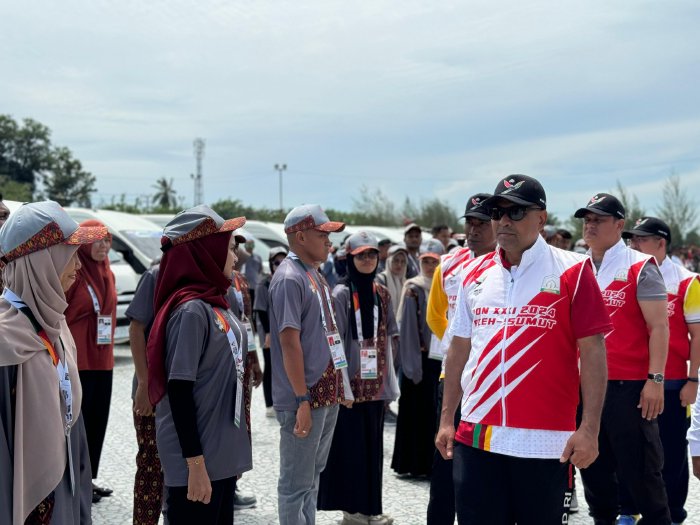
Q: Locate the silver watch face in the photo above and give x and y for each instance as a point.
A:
(658, 378)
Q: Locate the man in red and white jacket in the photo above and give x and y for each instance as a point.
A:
(629, 443)
(652, 236)
(522, 318)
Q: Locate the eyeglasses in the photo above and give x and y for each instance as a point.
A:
(367, 255)
(515, 213)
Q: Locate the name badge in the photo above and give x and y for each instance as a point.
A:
(436, 351)
(251, 337)
(368, 363)
(64, 386)
(104, 330)
(335, 344)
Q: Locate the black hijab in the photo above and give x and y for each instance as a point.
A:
(363, 284)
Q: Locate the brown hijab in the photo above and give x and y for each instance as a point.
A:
(40, 447)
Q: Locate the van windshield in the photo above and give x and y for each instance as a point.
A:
(147, 241)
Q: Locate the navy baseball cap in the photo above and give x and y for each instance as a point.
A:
(519, 189)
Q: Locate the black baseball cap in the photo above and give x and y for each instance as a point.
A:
(520, 189)
(476, 207)
(602, 204)
(647, 226)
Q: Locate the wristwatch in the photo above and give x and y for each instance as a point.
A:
(301, 399)
(656, 378)
(693, 379)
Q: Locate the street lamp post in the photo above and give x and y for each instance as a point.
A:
(280, 168)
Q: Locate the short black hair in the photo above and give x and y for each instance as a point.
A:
(384, 242)
(566, 234)
(438, 228)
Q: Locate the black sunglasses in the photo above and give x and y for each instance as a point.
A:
(367, 255)
(515, 213)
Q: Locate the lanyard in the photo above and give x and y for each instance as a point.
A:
(64, 381)
(358, 313)
(238, 293)
(223, 322)
(95, 302)
(232, 341)
(328, 303)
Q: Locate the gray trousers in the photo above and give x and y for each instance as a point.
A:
(301, 462)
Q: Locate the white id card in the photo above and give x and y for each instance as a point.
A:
(436, 351)
(239, 403)
(64, 386)
(104, 330)
(335, 344)
(368, 363)
(251, 337)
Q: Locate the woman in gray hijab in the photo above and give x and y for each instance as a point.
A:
(420, 371)
(42, 438)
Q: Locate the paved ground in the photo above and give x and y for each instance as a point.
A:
(405, 500)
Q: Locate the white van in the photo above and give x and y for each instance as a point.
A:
(135, 247)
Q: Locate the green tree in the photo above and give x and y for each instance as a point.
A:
(15, 191)
(633, 210)
(677, 209)
(373, 207)
(25, 150)
(165, 196)
(66, 182)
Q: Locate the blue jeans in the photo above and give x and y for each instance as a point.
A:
(301, 462)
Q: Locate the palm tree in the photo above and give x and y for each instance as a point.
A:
(165, 196)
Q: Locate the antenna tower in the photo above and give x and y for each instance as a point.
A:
(198, 186)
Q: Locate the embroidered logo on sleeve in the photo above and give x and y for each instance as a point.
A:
(550, 284)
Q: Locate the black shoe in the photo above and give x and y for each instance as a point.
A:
(389, 417)
(95, 497)
(103, 492)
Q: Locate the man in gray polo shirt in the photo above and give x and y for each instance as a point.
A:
(309, 369)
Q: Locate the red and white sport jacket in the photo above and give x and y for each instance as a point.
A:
(678, 280)
(521, 380)
(628, 344)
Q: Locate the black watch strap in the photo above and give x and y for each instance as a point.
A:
(693, 379)
(301, 399)
(656, 378)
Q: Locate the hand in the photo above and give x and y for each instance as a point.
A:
(198, 484)
(347, 403)
(142, 405)
(303, 426)
(581, 449)
(266, 344)
(696, 466)
(445, 439)
(257, 374)
(689, 393)
(651, 401)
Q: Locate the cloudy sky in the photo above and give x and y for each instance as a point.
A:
(419, 98)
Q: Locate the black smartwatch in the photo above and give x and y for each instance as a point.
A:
(301, 399)
(656, 378)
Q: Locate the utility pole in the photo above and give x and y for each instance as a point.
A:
(280, 168)
(197, 176)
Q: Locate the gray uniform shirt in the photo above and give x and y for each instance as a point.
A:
(197, 350)
(342, 298)
(295, 305)
(141, 307)
(253, 270)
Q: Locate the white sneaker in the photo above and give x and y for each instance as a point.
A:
(270, 412)
(574, 503)
(354, 519)
(381, 519)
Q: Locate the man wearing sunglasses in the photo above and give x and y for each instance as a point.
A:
(636, 299)
(447, 280)
(520, 320)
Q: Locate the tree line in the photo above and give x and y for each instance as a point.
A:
(32, 168)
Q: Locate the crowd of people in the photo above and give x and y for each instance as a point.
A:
(521, 361)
